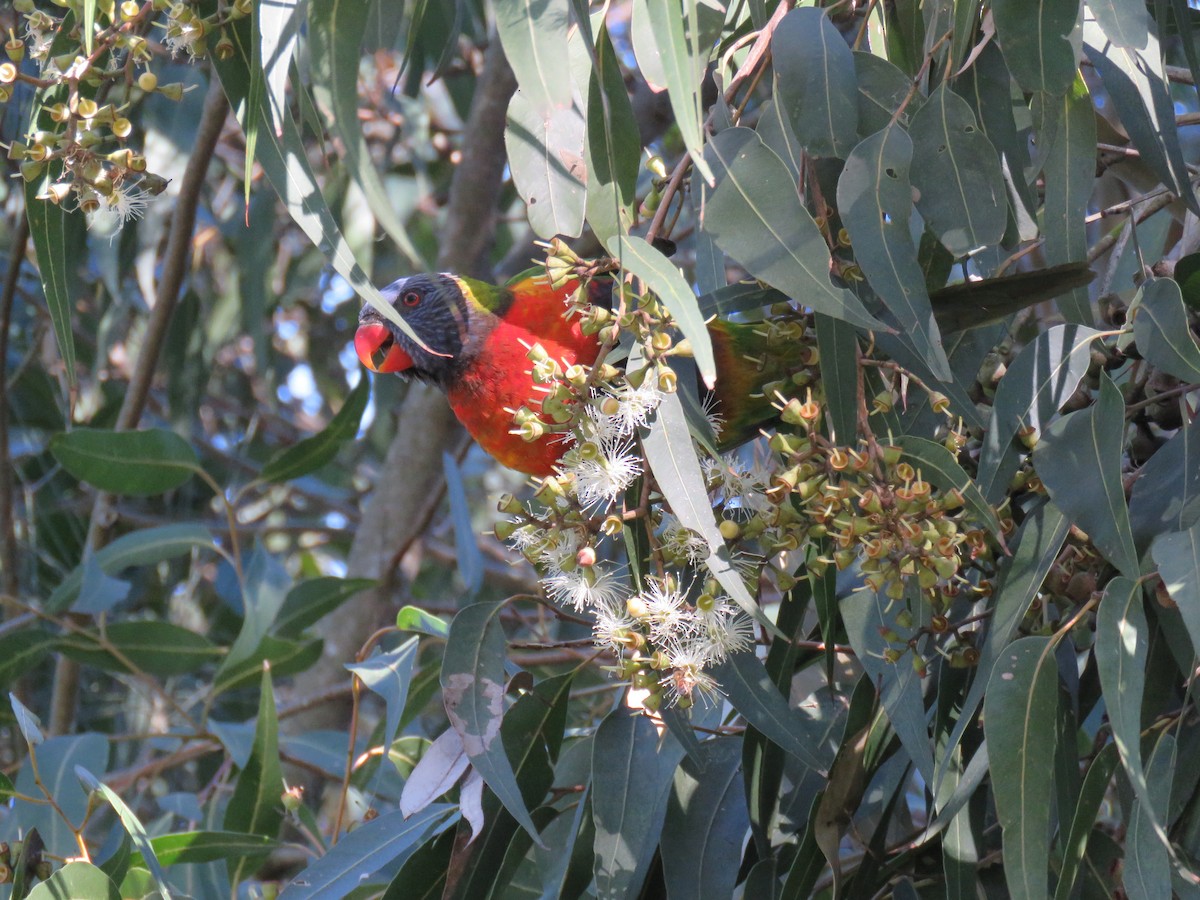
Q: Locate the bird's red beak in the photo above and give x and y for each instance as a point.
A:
(378, 350)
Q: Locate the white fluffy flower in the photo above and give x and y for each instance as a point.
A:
(126, 203)
(602, 470)
(724, 629)
(584, 587)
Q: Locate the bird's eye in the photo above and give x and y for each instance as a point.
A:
(410, 298)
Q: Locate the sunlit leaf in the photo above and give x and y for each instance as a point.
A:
(77, 879)
(534, 35)
(132, 825)
(546, 155)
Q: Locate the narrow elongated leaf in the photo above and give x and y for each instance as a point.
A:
(1137, 84)
(875, 199)
(256, 806)
(21, 651)
(534, 35)
(366, 850)
(706, 823)
(1035, 549)
(138, 548)
(768, 230)
(1036, 385)
(48, 227)
(469, 556)
(631, 780)
(815, 83)
(612, 150)
(1146, 874)
(156, 648)
(942, 470)
(775, 130)
(838, 346)
(133, 827)
(141, 463)
(1178, 559)
(27, 721)
(866, 616)
(1069, 169)
(1018, 710)
(278, 24)
(1086, 447)
(751, 692)
(668, 284)
(672, 458)
(961, 193)
(1035, 38)
(389, 675)
(1161, 330)
(335, 35)
(473, 691)
(314, 452)
(1095, 787)
(545, 153)
(285, 162)
(310, 601)
(267, 586)
(1166, 497)
(205, 846)
(682, 58)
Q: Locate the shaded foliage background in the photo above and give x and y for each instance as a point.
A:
(207, 517)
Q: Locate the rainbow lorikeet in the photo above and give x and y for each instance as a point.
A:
(477, 335)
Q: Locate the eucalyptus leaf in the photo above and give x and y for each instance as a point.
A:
(142, 463)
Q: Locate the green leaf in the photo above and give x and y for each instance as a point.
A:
(752, 693)
(1124, 24)
(534, 35)
(1035, 37)
(1035, 549)
(285, 657)
(278, 26)
(256, 805)
(874, 197)
(266, 588)
(1137, 84)
(312, 600)
(960, 189)
(1147, 870)
(631, 781)
(1160, 327)
(682, 58)
(154, 647)
(146, 547)
(48, 225)
(57, 758)
(838, 347)
(206, 846)
(815, 82)
(612, 156)
(473, 692)
(77, 879)
(366, 850)
(775, 131)
(941, 469)
(1166, 497)
(412, 618)
(1178, 559)
(664, 279)
(1036, 385)
(141, 463)
(132, 825)
(672, 458)
(1019, 726)
(389, 675)
(1086, 447)
(335, 35)
(882, 89)
(1091, 796)
(27, 721)
(867, 615)
(319, 450)
(21, 651)
(467, 552)
(285, 162)
(706, 823)
(768, 230)
(546, 157)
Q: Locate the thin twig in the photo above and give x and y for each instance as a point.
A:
(8, 534)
